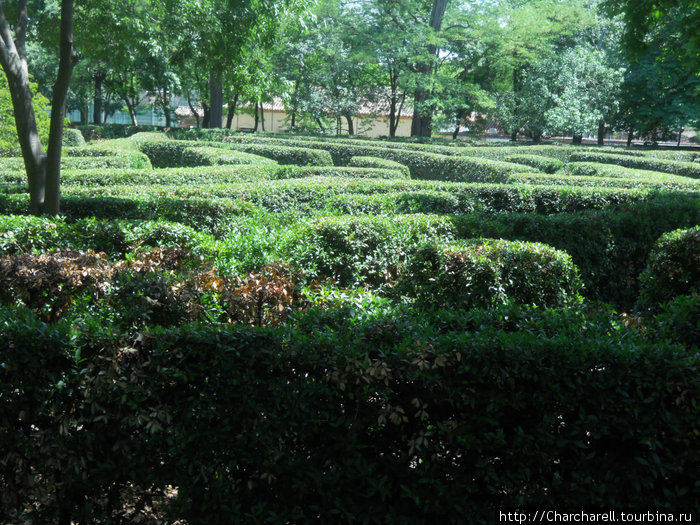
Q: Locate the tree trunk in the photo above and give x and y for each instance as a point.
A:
(577, 139)
(262, 116)
(216, 101)
(206, 113)
(257, 118)
(43, 173)
(456, 131)
(131, 107)
(97, 100)
(680, 135)
(231, 111)
(397, 119)
(392, 117)
(165, 99)
(516, 106)
(294, 118)
(194, 111)
(601, 133)
(320, 125)
(630, 136)
(351, 125)
(67, 59)
(423, 113)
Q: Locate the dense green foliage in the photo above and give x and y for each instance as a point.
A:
(673, 268)
(486, 274)
(322, 342)
(453, 416)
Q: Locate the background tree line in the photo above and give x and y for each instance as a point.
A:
(535, 67)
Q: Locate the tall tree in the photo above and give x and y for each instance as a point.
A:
(425, 66)
(43, 168)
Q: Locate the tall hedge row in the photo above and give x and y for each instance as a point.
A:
(380, 416)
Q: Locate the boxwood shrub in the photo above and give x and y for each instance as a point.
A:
(484, 274)
(673, 268)
(73, 138)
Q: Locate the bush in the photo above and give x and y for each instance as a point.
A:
(164, 153)
(357, 413)
(207, 156)
(287, 155)
(22, 234)
(610, 247)
(134, 161)
(422, 164)
(541, 164)
(93, 132)
(685, 169)
(679, 321)
(354, 251)
(596, 169)
(73, 138)
(486, 274)
(673, 268)
(376, 162)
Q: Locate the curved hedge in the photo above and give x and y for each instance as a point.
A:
(673, 268)
(376, 162)
(208, 156)
(541, 164)
(685, 169)
(73, 138)
(485, 274)
(612, 171)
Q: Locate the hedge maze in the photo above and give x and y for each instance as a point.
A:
(286, 329)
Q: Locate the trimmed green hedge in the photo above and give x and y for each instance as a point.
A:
(73, 138)
(612, 171)
(357, 415)
(485, 274)
(376, 162)
(541, 164)
(22, 234)
(318, 192)
(122, 161)
(169, 153)
(287, 155)
(164, 153)
(673, 268)
(208, 215)
(423, 165)
(624, 180)
(610, 247)
(685, 169)
(207, 156)
(361, 250)
(113, 131)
